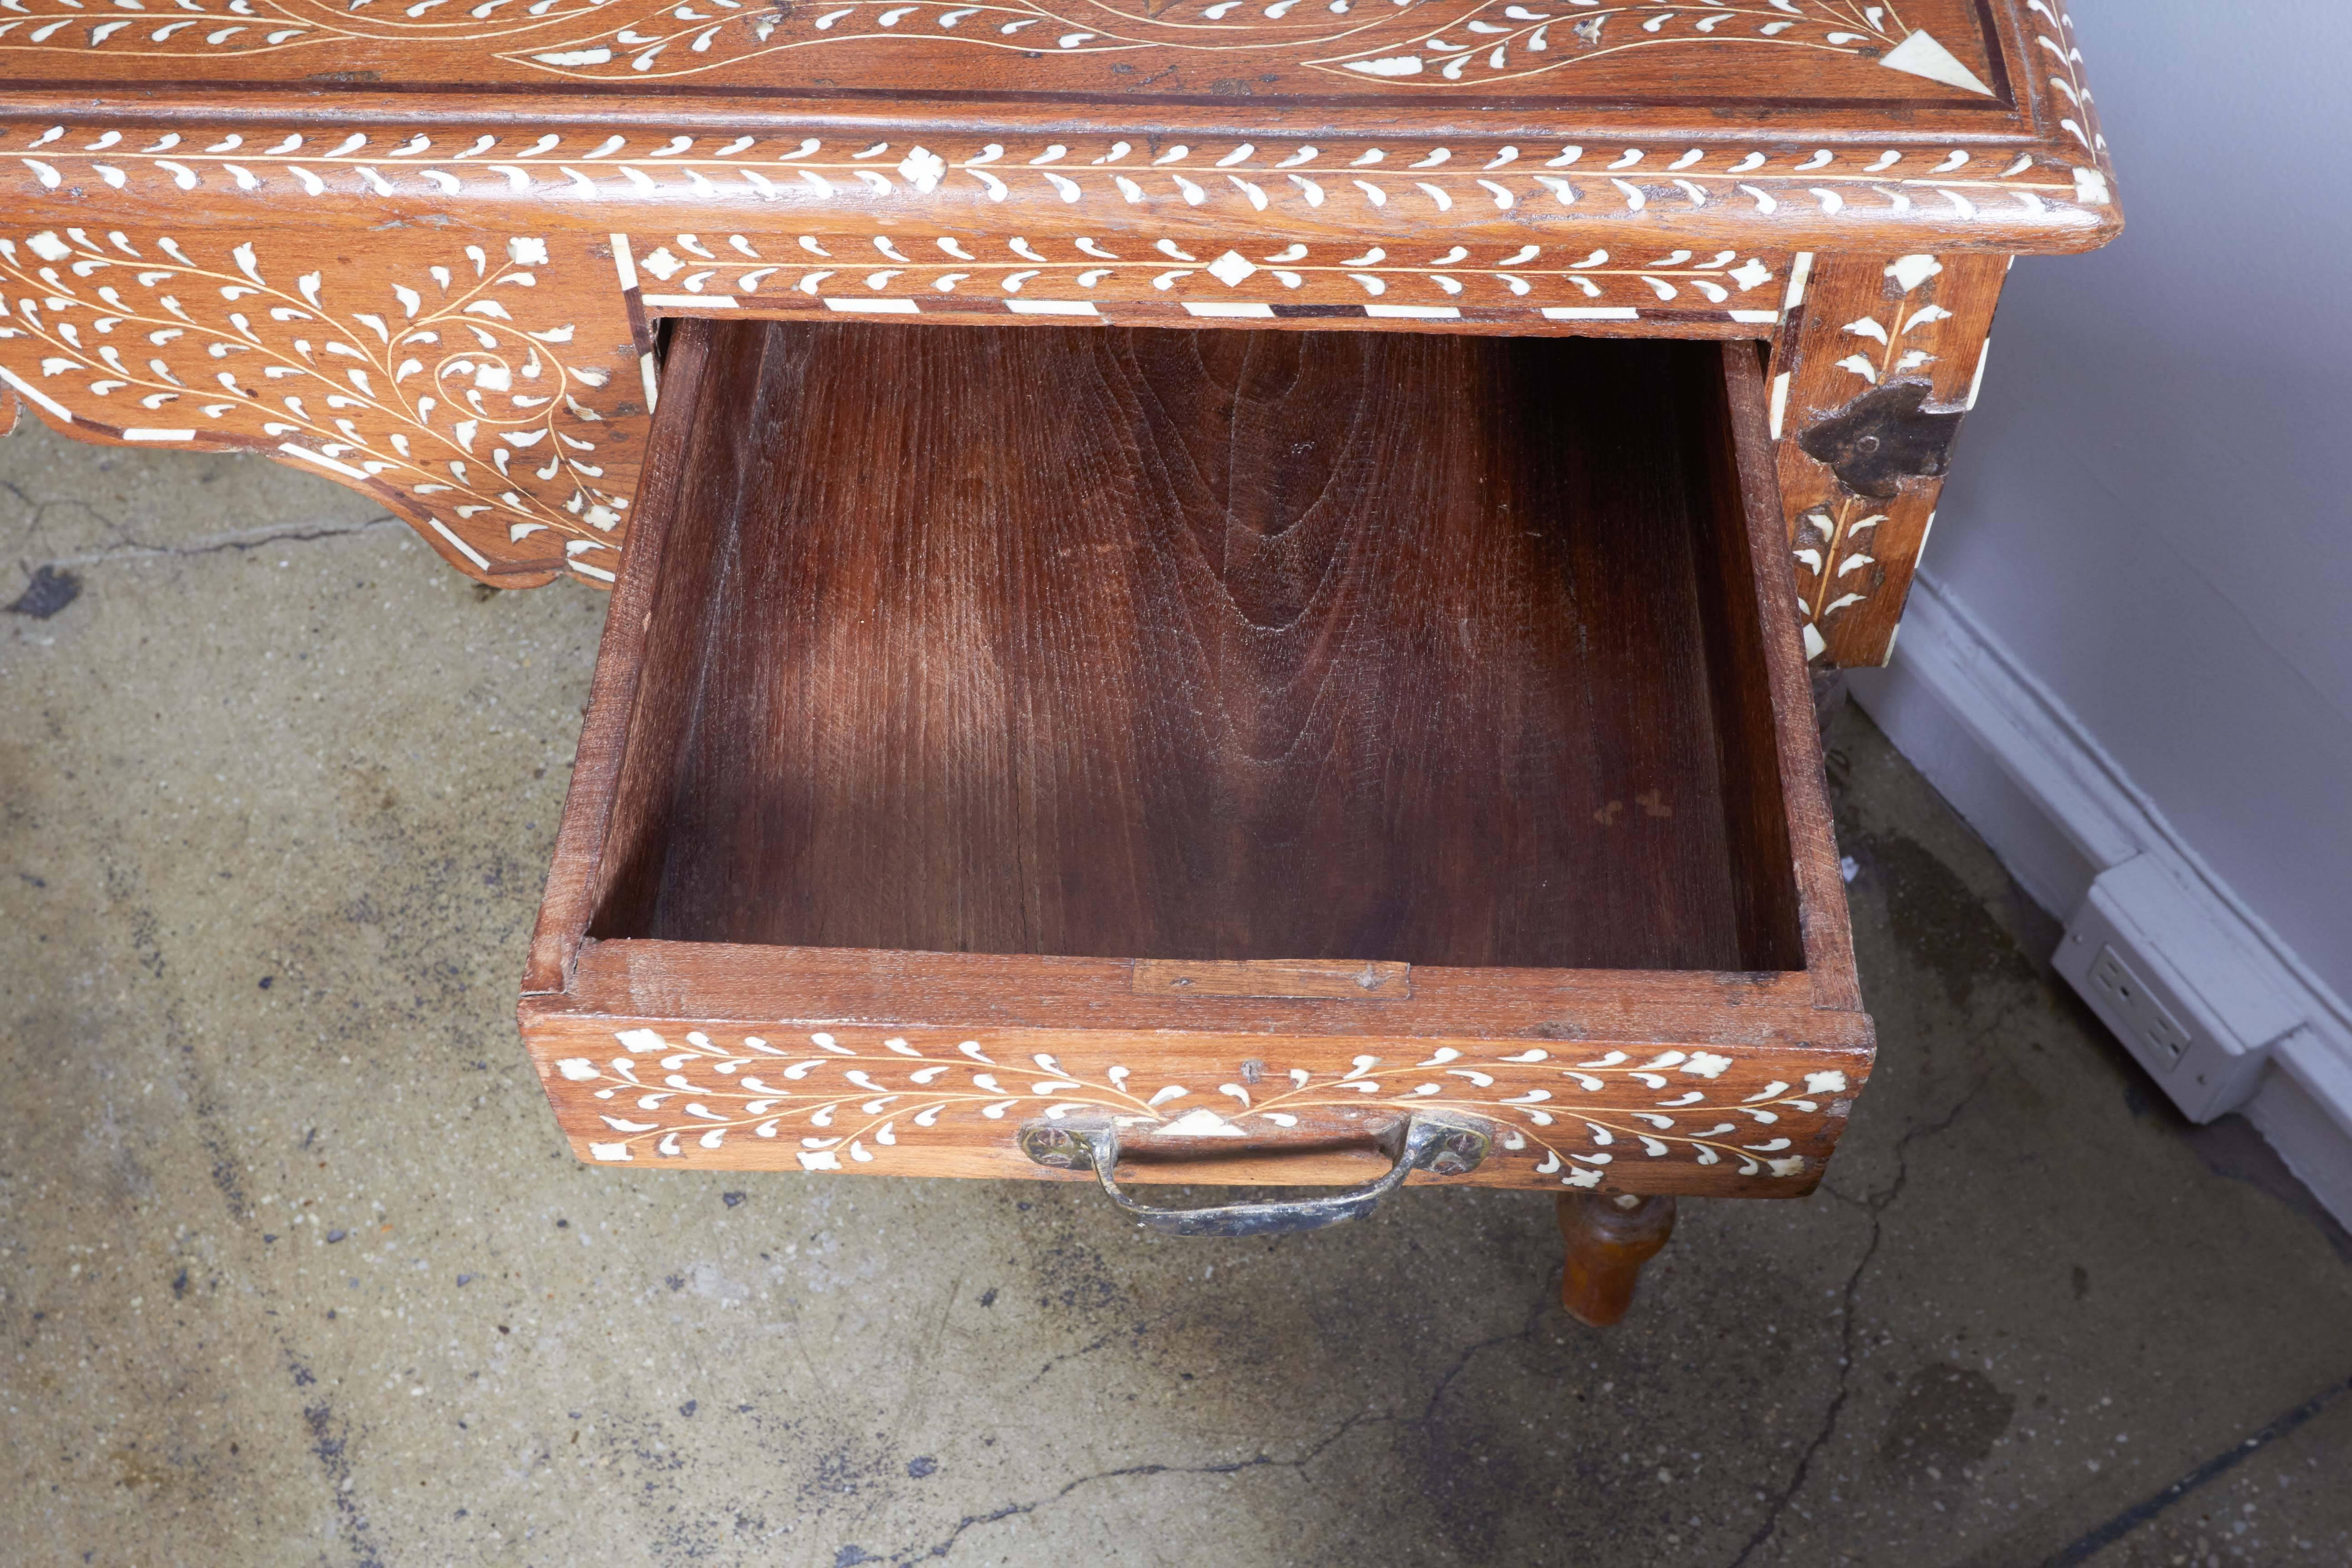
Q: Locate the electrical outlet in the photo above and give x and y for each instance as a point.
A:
(2177, 993)
(2152, 1025)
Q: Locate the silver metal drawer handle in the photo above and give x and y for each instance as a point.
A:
(1443, 1144)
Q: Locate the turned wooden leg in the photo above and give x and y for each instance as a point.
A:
(1608, 1240)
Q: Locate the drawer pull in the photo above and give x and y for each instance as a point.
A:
(1442, 1144)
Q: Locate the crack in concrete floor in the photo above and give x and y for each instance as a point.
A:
(1875, 1204)
(248, 538)
(1534, 1321)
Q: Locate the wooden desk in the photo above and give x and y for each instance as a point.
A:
(436, 251)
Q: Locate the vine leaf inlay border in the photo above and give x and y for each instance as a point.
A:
(829, 1102)
(1415, 45)
(443, 382)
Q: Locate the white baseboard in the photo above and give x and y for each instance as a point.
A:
(2064, 818)
(2300, 1109)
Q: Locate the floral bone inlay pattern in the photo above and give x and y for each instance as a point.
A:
(1348, 178)
(1830, 546)
(1571, 1115)
(447, 382)
(951, 273)
(1889, 353)
(2078, 114)
(1503, 42)
(1431, 45)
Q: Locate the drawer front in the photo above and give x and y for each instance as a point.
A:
(1240, 275)
(1626, 1117)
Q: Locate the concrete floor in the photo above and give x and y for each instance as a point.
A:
(294, 1269)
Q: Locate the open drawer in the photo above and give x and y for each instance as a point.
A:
(1220, 753)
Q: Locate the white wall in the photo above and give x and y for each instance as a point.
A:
(2149, 509)
(2129, 654)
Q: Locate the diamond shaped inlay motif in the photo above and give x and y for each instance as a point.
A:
(1231, 268)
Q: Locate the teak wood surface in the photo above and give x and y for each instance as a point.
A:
(427, 251)
(1198, 645)
(1458, 666)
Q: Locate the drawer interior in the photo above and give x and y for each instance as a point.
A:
(1132, 643)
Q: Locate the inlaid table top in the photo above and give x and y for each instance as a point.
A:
(557, 176)
(1806, 123)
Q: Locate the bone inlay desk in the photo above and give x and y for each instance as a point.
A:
(1078, 744)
